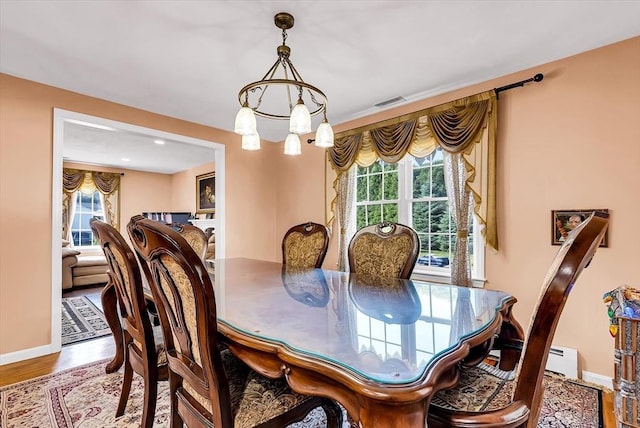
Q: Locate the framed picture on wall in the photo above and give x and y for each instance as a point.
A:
(564, 221)
(206, 193)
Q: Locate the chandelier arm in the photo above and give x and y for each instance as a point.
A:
(254, 87)
(268, 77)
(272, 70)
(296, 76)
(286, 76)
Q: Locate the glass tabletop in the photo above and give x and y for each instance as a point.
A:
(384, 330)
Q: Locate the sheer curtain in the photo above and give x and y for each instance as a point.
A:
(87, 182)
(464, 128)
(345, 202)
(459, 203)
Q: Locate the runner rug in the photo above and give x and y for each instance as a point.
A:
(81, 320)
(87, 397)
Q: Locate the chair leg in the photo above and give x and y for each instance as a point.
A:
(150, 397)
(176, 420)
(333, 412)
(126, 386)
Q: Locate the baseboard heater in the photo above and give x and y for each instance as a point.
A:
(561, 360)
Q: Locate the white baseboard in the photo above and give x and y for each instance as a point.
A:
(25, 354)
(598, 379)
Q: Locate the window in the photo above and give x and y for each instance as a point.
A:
(412, 192)
(87, 206)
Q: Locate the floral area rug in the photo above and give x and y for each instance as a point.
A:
(87, 397)
(81, 320)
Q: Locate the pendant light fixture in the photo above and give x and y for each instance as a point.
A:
(266, 98)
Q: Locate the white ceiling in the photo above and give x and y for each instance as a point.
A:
(118, 146)
(188, 59)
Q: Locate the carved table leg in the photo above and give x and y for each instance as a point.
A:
(511, 329)
(110, 307)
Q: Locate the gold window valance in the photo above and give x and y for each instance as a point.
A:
(466, 126)
(87, 182)
(74, 180)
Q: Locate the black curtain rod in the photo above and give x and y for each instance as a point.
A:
(537, 78)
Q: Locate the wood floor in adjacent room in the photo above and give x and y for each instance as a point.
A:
(101, 348)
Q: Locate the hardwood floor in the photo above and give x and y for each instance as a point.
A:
(101, 348)
(70, 356)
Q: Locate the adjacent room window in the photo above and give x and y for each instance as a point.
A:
(412, 192)
(87, 206)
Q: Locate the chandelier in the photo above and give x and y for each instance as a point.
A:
(265, 98)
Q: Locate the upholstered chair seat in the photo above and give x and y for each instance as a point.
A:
(254, 398)
(480, 388)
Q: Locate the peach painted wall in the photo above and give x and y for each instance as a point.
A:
(568, 142)
(183, 187)
(139, 191)
(26, 135)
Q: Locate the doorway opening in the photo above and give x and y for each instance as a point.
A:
(63, 121)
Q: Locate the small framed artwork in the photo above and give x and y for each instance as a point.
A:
(206, 193)
(564, 221)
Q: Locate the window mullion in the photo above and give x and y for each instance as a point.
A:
(404, 183)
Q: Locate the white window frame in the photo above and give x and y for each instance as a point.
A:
(75, 195)
(427, 273)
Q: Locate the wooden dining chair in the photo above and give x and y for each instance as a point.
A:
(486, 396)
(209, 386)
(143, 347)
(305, 245)
(384, 250)
(195, 236)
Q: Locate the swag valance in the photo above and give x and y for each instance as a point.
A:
(87, 182)
(74, 180)
(466, 126)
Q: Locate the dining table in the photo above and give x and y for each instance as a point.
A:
(381, 347)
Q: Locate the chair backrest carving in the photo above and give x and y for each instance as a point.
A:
(305, 245)
(183, 293)
(195, 236)
(384, 250)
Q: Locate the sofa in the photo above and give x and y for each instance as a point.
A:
(82, 268)
(211, 243)
(69, 259)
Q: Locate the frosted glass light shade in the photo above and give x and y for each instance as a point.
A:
(324, 135)
(245, 122)
(251, 142)
(292, 145)
(300, 120)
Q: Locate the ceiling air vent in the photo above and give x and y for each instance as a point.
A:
(390, 101)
